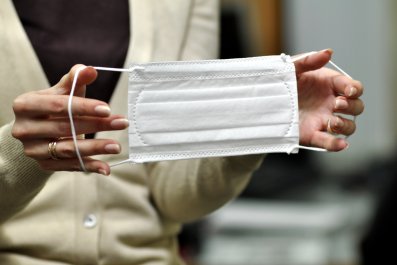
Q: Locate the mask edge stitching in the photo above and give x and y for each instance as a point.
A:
(231, 151)
(134, 116)
(292, 102)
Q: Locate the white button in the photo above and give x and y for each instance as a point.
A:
(90, 221)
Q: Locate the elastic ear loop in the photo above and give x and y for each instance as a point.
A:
(70, 113)
(297, 58)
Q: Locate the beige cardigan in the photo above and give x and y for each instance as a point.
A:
(135, 214)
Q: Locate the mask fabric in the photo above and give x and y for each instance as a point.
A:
(194, 109)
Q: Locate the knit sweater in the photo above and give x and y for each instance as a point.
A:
(133, 215)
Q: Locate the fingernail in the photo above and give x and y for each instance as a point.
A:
(103, 172)
(340, 104)
(120, 123)
(330, 51)
(352, 91)
(112, 148)
(102, 110)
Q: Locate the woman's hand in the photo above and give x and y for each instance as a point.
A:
(41, 117)
(321, 93)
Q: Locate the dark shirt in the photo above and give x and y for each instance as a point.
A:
(66, 32)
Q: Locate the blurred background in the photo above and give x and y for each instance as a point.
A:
(314, 208)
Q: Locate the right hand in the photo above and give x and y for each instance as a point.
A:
(42, 117)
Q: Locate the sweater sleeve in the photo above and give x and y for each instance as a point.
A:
(186, 190)
(20, 177)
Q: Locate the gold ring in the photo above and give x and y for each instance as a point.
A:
(52, 152)
(329, 129)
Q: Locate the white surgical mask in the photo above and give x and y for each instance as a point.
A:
(195, 109)
(180, 110)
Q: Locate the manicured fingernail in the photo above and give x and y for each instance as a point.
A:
(330, 51)
(103, 172)
(112, 148)
(340, 104)
(102, 110)
(119, 123)
(352, 91)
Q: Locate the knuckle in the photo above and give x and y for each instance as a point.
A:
(99, 147)
(64, 79)
(19, 104)
(102, 125)
(330, 145)
(85, 105)
(67, 151)
(19, 132)
(82, 106)
(57, 106)
(64, 129)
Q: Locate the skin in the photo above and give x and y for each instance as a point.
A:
(322, 94)
(41, 116)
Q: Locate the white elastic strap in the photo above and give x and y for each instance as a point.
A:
(312, 148)
(122, 162)
(301, 56)
(297, 58)
(70, 112)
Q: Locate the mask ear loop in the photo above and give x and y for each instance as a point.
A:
(297, 58)
(70, 112)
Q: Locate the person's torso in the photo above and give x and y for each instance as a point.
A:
(90, 219)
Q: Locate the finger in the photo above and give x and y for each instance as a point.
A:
(64, 149)
(60, 127)
(346, 86)
(86, 75)
(328, 142)
(91, 165)
(349, 106)
(340, 125)
(57, 105)
(313, 62)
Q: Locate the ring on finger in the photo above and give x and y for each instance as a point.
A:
(52, 152)
(329, 129)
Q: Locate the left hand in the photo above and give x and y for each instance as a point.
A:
(42, 124)
(321, 93)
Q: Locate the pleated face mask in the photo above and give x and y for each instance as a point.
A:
(195, 109)
(180, 110)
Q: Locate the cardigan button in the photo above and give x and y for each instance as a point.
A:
(90, 221)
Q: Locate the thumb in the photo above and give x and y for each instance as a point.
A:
(86, 75)
(313, 61)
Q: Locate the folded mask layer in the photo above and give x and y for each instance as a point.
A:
(194, 109)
